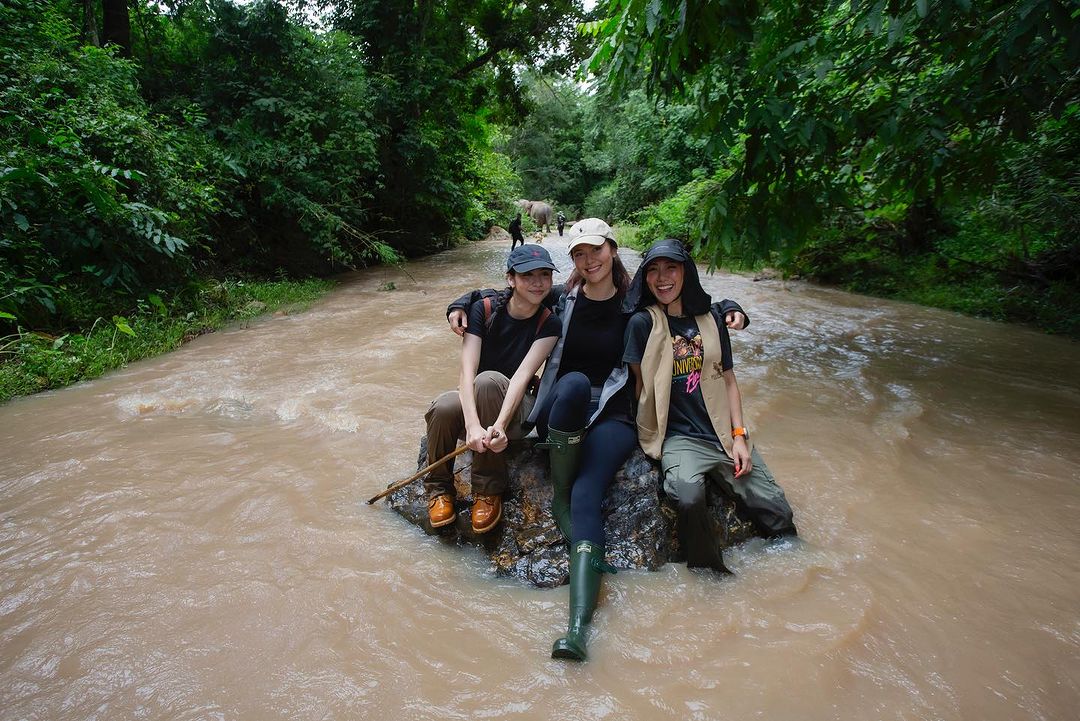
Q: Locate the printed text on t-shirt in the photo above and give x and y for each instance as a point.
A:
(688, 354)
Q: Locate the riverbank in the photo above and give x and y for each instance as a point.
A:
(1046, 299)
(33, 361)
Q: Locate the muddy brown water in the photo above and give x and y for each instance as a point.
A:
(187, 538)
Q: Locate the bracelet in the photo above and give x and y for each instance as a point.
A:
(740, 431)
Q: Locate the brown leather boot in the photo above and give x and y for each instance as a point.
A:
(440, 510)
(486, 512)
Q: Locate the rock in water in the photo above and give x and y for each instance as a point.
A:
(639, 522)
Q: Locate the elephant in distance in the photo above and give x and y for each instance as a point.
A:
(539, 211)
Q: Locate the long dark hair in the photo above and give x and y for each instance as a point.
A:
(619, 276)
(501, 299)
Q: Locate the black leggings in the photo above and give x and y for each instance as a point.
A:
(607, 445)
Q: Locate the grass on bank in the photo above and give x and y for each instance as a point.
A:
(33, 361)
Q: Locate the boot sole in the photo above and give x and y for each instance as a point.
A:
(563, 650)
(488, 527)
(442, 523)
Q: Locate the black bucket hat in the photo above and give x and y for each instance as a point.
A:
(529, 257)
(695, 300)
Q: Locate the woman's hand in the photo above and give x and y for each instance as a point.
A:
(475, 438)
(496, 439)
(734, 319)
(459, 321)
(740, 453)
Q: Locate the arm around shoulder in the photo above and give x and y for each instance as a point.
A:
(467, 300)
(731, 314)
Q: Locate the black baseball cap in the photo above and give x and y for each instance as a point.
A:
(668, 248)
(529, 257)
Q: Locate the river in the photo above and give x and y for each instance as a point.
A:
(187, 538)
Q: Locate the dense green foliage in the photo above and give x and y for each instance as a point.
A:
(601, 158)
(819, 107)
(913, 149)
(219, 139)
(99, 197)
(237, 139)
(446, 71)
(548, 145)
(289, 117)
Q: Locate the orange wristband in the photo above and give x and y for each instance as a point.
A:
(740, 431)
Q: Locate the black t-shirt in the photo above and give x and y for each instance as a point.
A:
(594, 341)
(507, 341)
(686, 412)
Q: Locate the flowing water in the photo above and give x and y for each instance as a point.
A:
(188, 539)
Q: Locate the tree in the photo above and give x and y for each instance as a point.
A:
(90, 27)
(116, 25)
(548, 146)
(444, 68)
(825, 107)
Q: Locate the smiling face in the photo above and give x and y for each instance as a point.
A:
(665, 279)
(531, 287)
(593, 262)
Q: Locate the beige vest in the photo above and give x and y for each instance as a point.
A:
(656, 365)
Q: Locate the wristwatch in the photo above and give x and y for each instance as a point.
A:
(740, 431)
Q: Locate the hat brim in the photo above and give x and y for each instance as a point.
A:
(533, 265)
(588, 240)
(665, 251)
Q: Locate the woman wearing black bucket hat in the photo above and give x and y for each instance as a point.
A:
(689, 412)
(510, 336)
(583, 411)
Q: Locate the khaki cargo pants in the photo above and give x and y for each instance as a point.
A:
(687, 463)
(446, 424)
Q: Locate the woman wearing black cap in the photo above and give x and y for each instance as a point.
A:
(508, 338)
(689, 412)
(583, 411)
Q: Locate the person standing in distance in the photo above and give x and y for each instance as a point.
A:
(515, 232)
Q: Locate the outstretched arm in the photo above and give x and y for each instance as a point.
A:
(457, 313)
(496, 438)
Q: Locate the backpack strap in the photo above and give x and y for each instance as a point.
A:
(545, 313)
(489, 314)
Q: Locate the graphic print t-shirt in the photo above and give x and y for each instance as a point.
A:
(507, 341)
(686, 412)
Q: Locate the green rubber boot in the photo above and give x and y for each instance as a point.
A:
(564, 456)
(587, 566)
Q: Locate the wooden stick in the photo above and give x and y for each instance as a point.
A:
(452, 454)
